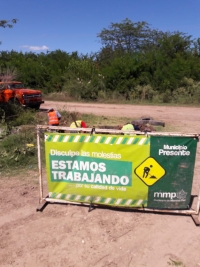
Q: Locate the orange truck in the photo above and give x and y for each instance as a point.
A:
(15, 93)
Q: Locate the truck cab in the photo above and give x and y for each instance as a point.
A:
(14, 92)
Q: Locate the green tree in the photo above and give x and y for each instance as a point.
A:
(196, 48)
(171, 61)
(125, 36)
(7, 23)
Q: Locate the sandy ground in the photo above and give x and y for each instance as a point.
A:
(70, 236)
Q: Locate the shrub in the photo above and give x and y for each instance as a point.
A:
(18, 149)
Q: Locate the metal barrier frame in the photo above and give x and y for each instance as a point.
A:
(43, 201)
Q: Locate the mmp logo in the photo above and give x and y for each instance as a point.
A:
(181, 195)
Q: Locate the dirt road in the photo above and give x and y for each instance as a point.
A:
(70, 236)
(184, 119)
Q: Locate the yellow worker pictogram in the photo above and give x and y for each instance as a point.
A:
(150, 171)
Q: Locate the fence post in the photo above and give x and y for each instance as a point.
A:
(39, 166)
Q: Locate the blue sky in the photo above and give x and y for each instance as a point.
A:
(73, 25)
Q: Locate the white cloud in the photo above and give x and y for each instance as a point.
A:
(36, 48)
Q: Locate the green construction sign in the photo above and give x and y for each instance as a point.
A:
(121, 170)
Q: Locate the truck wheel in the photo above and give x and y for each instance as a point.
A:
(14, 101)
(150, 122)
(37, 107)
